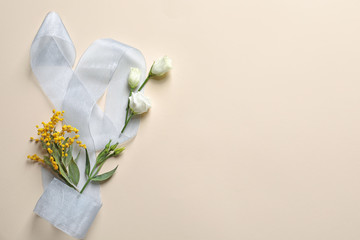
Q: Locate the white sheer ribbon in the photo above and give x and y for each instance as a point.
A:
(104, 66)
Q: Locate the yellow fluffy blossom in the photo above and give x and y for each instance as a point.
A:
(36, 158)
(56, 167)
(55, 142)
(53, 162)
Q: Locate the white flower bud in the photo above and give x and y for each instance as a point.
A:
(161, 66)
(139, 103)
(134, 77)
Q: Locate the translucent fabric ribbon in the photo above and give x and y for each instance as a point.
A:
(104, 66)
(67, 209)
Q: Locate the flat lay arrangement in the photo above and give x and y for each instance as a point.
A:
(81, 137)
(180, 120)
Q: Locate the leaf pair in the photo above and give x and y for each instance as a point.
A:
(97, 178)
(106, 153)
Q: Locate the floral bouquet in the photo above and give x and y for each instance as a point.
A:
(72, 169)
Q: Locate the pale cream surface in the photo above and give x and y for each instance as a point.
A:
(254, 135)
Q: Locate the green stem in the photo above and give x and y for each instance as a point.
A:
(89, 179)
(127, 121)
(98, 169)
(146, 80)
(92, 175)
(127, 108)
(87, 182)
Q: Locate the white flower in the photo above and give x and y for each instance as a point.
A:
(139, 103)
(134, 77)
(161, 66)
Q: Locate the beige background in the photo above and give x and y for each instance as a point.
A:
(254, 135)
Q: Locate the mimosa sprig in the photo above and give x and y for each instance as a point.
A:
(59, 159)
(59, 149)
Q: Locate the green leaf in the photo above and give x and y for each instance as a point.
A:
(104, 176)
(74, 173)
(61, 170)
(47, 161)
(65, 141)
(56, 152)
(101, 159)
(64, 175)
(105, 151)
(77, 157)
(87, 166)
(59, 160)
(102, 155)
(69, 156)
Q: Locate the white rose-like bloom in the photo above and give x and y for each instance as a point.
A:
(161, 66)
(139, 103)
(134, 77)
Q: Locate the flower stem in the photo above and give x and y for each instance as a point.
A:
(146, 80)
(127, 108)
(142, 85)
(98, 169)
(87, 182)
(92, 175)
(127, 121)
